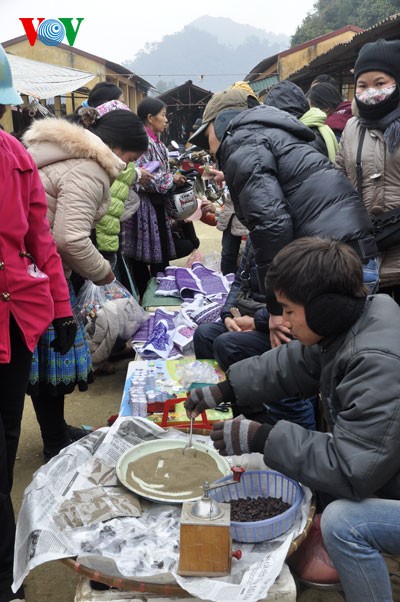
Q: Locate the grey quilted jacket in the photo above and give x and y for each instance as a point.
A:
(357, 376)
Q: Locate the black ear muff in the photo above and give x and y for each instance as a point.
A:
(331, 313)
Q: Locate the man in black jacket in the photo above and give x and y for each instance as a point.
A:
(281, 187)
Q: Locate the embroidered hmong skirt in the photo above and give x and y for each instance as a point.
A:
(147, 235)
(59, 374)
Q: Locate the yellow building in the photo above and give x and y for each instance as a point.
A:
(300, 56)
(339, 60)
(134, 87)
(281, 66)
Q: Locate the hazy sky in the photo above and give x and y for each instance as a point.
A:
(120, 30)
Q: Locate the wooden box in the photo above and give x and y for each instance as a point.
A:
(205, 545)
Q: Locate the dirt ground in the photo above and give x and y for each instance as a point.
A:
(54, 582)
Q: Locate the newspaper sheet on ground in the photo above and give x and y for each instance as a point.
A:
(72, 508)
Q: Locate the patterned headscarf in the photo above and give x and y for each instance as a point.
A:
(111, 105)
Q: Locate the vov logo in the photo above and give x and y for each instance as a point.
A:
(51, 31)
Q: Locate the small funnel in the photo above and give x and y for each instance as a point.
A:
(206, 508)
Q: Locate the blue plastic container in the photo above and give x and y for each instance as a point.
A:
(262, 483)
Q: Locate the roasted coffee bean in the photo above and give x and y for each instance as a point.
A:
(245, 510)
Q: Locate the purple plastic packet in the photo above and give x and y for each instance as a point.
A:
(152, 166)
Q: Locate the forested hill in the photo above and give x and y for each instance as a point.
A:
(213, 52)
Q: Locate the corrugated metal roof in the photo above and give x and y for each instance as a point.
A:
(260, 85)
(42, 80)
(269, 61)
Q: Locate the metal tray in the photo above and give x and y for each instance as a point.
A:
(149, 447)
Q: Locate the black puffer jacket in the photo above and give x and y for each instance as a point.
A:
(288, 97)
(246, 287)
(283, 189)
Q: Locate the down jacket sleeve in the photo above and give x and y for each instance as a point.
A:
(287, 371)
(76, 213)
(108, 228)
(261, 320)
(340, 162)
(251, 174)
(235, 286)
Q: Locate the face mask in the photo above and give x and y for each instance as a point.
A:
(373, 96)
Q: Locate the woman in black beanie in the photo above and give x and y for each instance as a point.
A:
(371, 139)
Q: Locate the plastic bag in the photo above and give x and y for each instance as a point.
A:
(212, 261)
(92, 297)
(110, 313)
(196, 372)
(196, 215)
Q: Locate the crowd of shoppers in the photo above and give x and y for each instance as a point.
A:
(313, 310)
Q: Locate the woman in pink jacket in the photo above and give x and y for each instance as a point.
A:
(33, 293)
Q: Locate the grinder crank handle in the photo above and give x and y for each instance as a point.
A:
(237, 472)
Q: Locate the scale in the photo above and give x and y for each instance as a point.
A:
(205, 539)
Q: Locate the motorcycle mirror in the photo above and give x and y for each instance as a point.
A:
(174, 144)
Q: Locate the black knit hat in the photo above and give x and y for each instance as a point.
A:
(103, 92)
(382, 55)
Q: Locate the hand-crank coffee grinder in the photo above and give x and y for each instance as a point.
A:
(205, 540)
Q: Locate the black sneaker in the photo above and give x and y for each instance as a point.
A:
(75, 433)
(9, 596)
(51, 452)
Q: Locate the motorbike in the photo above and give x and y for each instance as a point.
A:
(194, 163)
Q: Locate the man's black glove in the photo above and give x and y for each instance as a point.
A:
(65, 329)
(206, 398)
(239, 436)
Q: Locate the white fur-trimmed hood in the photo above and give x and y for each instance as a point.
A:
(52, 139)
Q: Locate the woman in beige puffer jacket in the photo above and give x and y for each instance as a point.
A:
(376, 110)
(76, 167)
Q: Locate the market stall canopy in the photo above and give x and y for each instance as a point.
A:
(42, 80)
